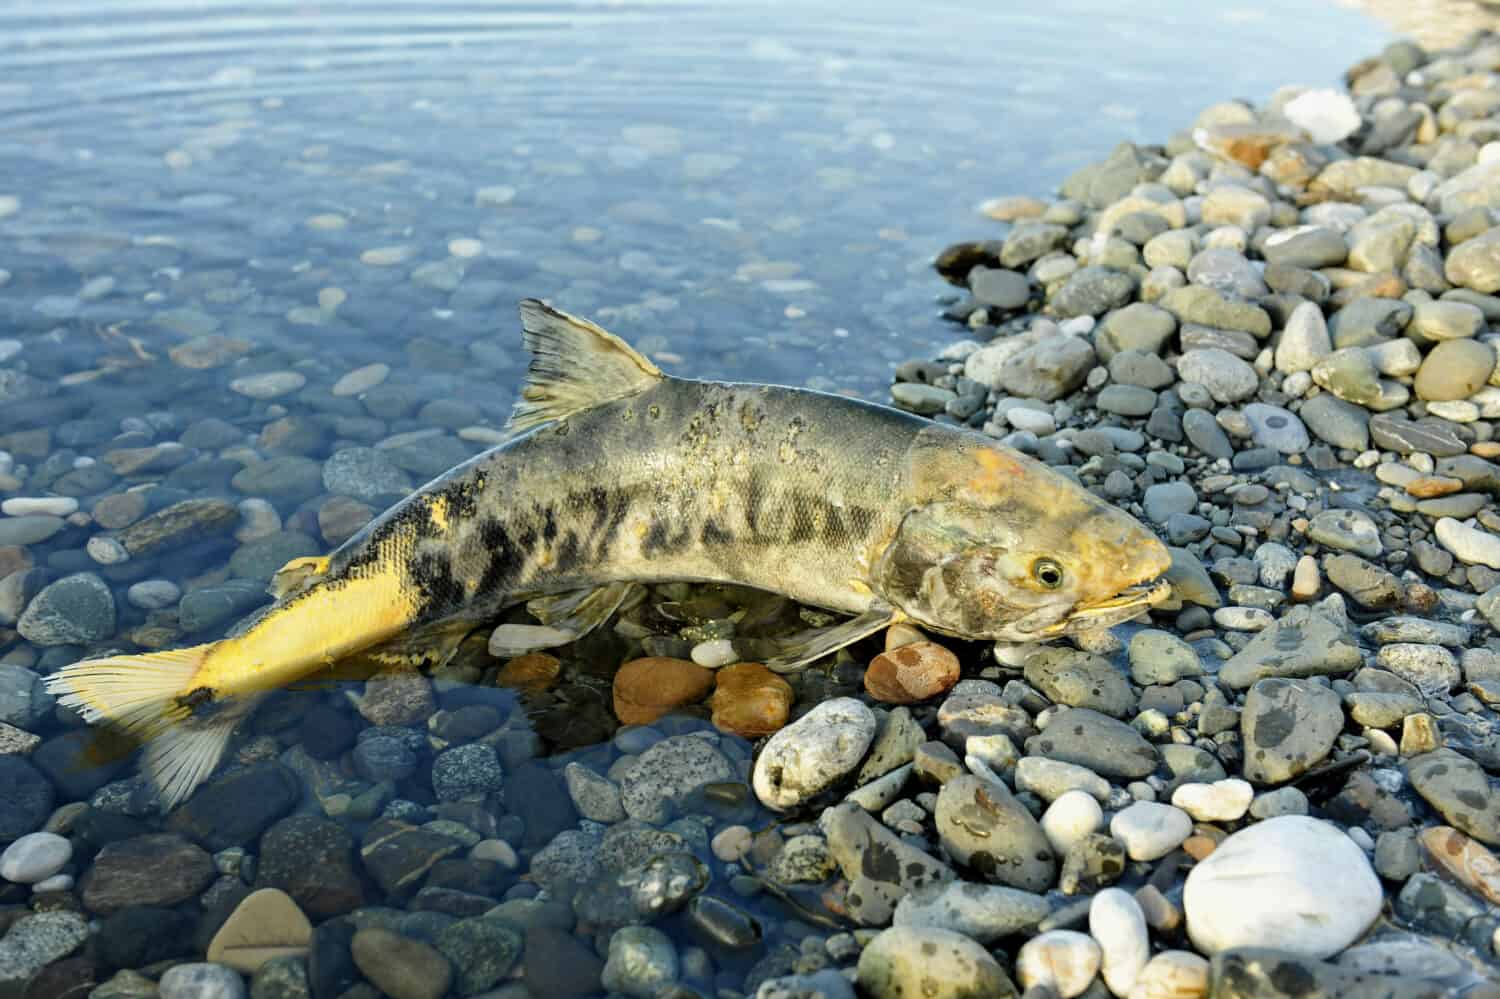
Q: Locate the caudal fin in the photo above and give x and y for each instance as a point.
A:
(141, 695)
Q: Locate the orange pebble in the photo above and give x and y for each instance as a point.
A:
(647, 688)
(911, 673)
(749, 700)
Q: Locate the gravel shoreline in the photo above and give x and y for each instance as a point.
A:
(1269, 337)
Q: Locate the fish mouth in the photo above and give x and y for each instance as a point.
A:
(1121, 607)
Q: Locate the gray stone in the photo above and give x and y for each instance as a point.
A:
(1346, 530)
(1460, 791)
(1096, 741)
(1276, 428)
(1475, 263)
(1226, 271)
(1205, 434)
(35, 941)
(999, 289)
(1210, 307)
(1370, 586)
(365, 474)
(1080, 680)
(981, 912)
(1228, 378)
(1311, 247)
(1126, 400)
(1306, 641)
(1138, 368)
(932, 963)
(1288, 727)
(24, 701)
(467, 771)
(924, 400)
(1159, 657)
(1260, 973)
(1366, 321)
(984, 827)
(201, 981)
(1138, 326)
(665, 775)
(1047, 370)
(1166, 498)
(75, 610)
(855, 839)
(1337, 422)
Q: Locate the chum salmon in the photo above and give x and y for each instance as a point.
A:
(619, 475)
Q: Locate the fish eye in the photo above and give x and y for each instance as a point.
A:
(1047, 572)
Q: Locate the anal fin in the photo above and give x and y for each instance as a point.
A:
(581, 611)
(809, 646)
(184, 754)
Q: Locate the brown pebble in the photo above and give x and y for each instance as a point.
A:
(1430, 486)
(1485, 449)
(1198, 847)
(750, 701)
(1161, 914)
(13, 558)
(1464, 859)
(532, 672)
(911, 673)
(647, 688)
(1419, 734)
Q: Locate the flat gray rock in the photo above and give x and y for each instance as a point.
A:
(1288, 726)
(1106, 746)
(1306, 641)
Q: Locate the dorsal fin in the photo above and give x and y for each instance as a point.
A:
(575, 365)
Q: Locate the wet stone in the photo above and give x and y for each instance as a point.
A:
(75, 610)
(1288, 726)
(157, 869)
(312, 860)
(1095, 741)
(1306, 641)
(667, 774)
(1081, 680)
(926, 961)
(1261, 973)
(983, 827)
(1460, 791)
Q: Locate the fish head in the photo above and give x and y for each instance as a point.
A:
(998, 546)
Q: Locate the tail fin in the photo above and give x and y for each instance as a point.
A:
(142, 694)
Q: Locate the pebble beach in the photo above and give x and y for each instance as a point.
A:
(1270, 335)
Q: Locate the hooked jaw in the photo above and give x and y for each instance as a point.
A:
(1122, 597)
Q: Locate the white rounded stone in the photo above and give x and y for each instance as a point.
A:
(22, 506)
(1117, 923)
(714, 653)
(201, 981)
(813, 752)
(57, 882)
(153, 594)
(1221, 801)
(1065, 961)
(361, 379)
(106, 550)
(1292, 883)
(258, 519)
(1151, 830)
(1070, 818)
(35, 857)
(1469, 544)
(268, 385)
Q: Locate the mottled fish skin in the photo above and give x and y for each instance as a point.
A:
(690, 480)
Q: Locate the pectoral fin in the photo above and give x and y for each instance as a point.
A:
(297, 575)
(813, 645)
(565, 617)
